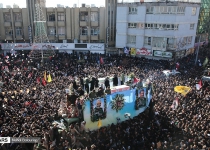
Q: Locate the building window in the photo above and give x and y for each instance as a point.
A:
(132, 10)
(192, 26)
(150, 10)
(18, 30)
(7, 17)
(94, 31)
(94, 16)
(61, 17)
(83, 16)
(147, 40)
(131, 39)
(180, 10)
(17, 16)
(189, 40)
(132, 25)
(61, 31)
(8, 31)
(176, 27)
(51, 16)
(159, 42)
(83, 31)
(94, 41)
(194, 11)
(51, 31)
(140, 25)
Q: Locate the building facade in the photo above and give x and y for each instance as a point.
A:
(157, 29)
(68, 25)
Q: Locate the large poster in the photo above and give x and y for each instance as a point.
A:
(165, 54)
(114, 107)
(144, 51)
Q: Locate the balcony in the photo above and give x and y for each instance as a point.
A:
(83, 9)
(6, 10)
(61, 37)
(18, 24)
(51, 37)
(16, 10)
(94, 23)
(7, 24)
(61, 23)
(50, 23)
(94, 9)
(9, 37)
(19, 37)
(94, 37)
(83, 37)
(50, 9)
(60, 9)
(83, 23)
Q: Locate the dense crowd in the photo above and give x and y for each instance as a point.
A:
(28, 106)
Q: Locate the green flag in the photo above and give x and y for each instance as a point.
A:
(205, 62)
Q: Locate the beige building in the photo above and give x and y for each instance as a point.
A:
(82, 25)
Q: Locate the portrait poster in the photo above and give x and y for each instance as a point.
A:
(98, 109)
(141, 99)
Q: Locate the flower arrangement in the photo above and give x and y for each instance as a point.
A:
(118, 102)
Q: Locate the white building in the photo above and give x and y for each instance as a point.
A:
(157, 29)
(15, 6)
(1, 5)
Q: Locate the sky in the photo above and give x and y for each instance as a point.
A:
(53, 3)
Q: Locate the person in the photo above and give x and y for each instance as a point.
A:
(98, 112)
(115, 80)
(106, 82)
(108, 90)
(80, 91)
(100, 92)
(93, 94)
(140, 101)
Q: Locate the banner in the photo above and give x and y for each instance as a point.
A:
(126, 50)
(182, 89)
(165, 54)
(133, 51)
(144, 51)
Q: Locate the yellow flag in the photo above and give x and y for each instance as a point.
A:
(133, 51)
(182, 89)
(49, 78)
(45, 76)
(99, 123)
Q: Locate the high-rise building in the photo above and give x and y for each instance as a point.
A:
(1, 5)
(110, 22)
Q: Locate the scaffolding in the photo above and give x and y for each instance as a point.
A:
(41, 47)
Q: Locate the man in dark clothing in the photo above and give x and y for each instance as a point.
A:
(80, 91)
(72, 98)
(92, 83)
(115, 80)
(107, 83)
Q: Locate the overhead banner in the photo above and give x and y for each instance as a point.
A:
(144, 51)
(133, 51)
(165, 54)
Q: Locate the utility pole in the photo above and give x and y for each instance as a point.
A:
(196, 59)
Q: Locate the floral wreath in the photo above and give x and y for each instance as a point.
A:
(118, 102)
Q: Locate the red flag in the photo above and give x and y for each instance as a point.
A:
(44, 82)
(101, 61)
(135, 80)
(200, 83)
(38, 80)
(177, 66)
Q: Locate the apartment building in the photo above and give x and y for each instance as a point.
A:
(157, 29)
(69, 25)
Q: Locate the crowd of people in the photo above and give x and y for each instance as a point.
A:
(29, 105)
